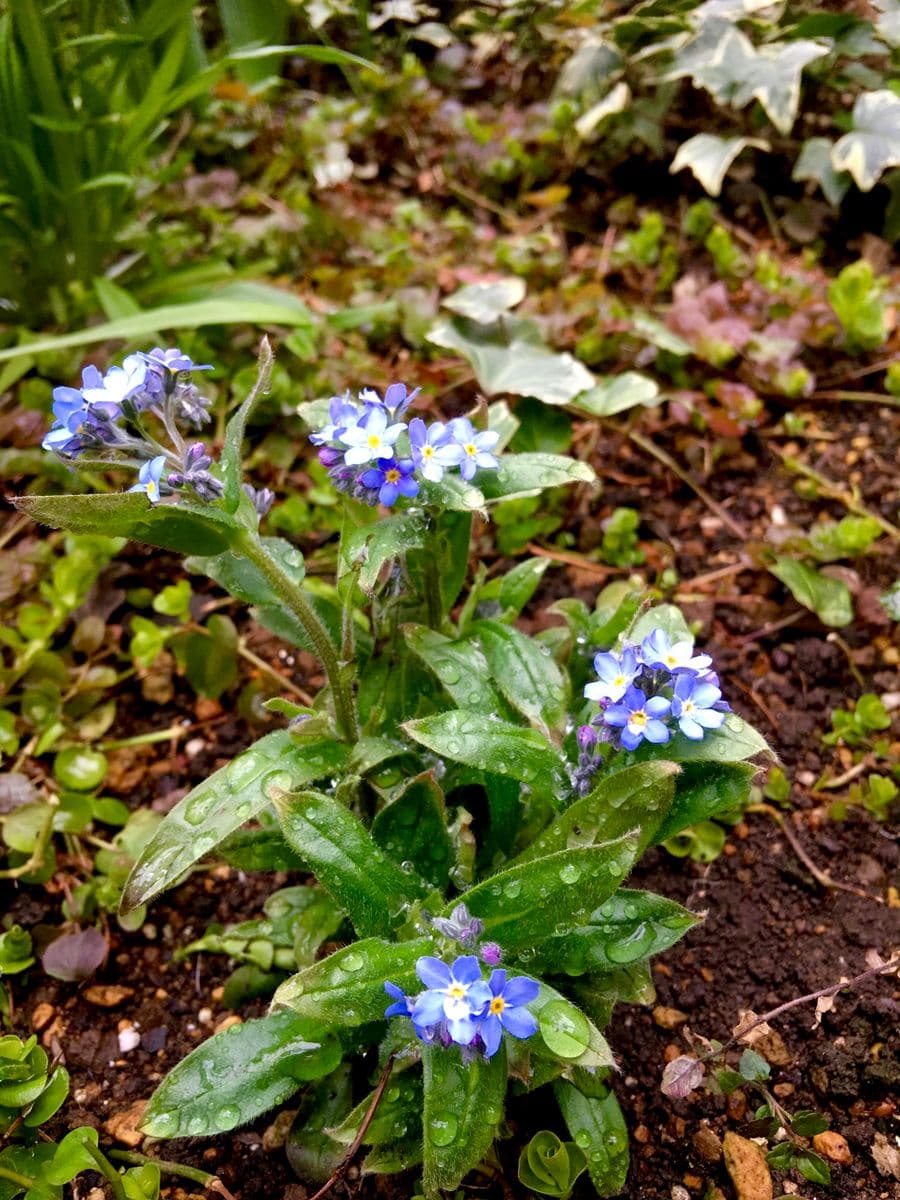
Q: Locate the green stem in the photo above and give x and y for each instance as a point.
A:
(431, 578)
(293, 597)
(107, 1170)
(14, 1177)
(169, 1168)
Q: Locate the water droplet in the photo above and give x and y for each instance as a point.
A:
(633, 947)
(512, 889)
(392, 1095)
(443, 1129)
(198, 809)
(196, 1126)
(450, 673)
(165, 1124)
(570, 873)
(582, 1139)
(352, 961)
(204, 844)
(227, 1116)
(407, 866)
(596, 1156)
(244, 810)
(564, 1028)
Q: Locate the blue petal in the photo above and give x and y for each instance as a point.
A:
(520, 1022)
(491, 1034)
(521, 990)
(428, 1008)
(433, 972)
(466, 969)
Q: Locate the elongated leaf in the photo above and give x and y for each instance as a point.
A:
(638, 797)
(399, 1114)
(629, 926)
(366, 550)
(492, 745)
(224, 802)
(236, 304)
(313, 1155)
(413, 829)
(259, 850)
(598, 1127)
(238, 1074)
(461, 668)
(532, 473)
(705, 790)
(526, 674)
(525, 904)
(618, 394)
(347, 861)
(235, 432)
(829, 599)
(463, 1106)
(347, 988)
(735, 742)
(242, 578)
(184, 527)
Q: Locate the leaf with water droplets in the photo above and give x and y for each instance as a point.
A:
(366, 549)
(413, 829)
(463, 1106)
(530, 474)
(460, 667)
(628, 927)
(347, 861)
(705, 790)
(598, 1127)
(735, 741)
(238, 1074)
(496, 746)
(526, 674)
(347, 988)
(637, 797)
(525, 904)
(398, 1115)
(220, 805)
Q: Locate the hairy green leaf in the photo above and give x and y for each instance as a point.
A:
(463, 1106)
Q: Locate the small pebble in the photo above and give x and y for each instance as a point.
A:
(129, 1039)
(43, 1014)
(708, 1144)
(668, 1018)
(107, 995)
(228, 1022)
(680, 1193)
(833, 1146)
(204, 1016)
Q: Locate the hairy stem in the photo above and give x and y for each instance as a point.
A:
(169, 1168)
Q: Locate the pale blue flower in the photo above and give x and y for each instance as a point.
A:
(506, 1010)
(476, 447)
(693, 706)
(615, 675)
(639, 718)
(371, 439)
(433, 449)
(457, 994)
(149, 477)
(657, 650)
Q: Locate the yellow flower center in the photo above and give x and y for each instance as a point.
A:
(428, 451)
(687, 706)
(471, 449)
(374, 440)
(456, 990)
(639, 718)
(671, 660)
(392, 476)
(497, 1006)
(619, 681)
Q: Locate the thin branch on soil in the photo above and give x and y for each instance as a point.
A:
(743, 564)
(821, 877)
(857, 397)
(710, 501)
(341, 1169)
(848, 776)
(267, 669)
(133, 1159)
(599, 570)
(835, 492)
(772, 627)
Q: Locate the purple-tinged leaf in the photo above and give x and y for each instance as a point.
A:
(681, 1077)
(75, 956)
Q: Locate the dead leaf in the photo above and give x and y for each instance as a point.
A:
(886, 1156)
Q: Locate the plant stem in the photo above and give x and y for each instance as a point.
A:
(169, 1168)
(345, 1162)
(292, 596)
(15, 1177)
(107, 1170)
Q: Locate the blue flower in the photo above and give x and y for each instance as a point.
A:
(694, 706)
(343, 414)
(639, 718)
(456, 994)
(397, 398)
(433, 449)
(402, 1005)
(149, 477)
(476, 447)
(392, 479)
(658, 650)
(67, 403)
(616, 673)
(371, 439)
(117, 385)
(172, 361)
(506, 1010)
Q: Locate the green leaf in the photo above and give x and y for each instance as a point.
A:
(814, 162)
(493, 745)
(567, 1035)
(235, 432)
(50, 1101)
(526, 674)
(705, 790)
(485, 303)
(399, 1113)
(71, 1157)
(667, 617)
(550, 1166)
(210, 659)
(364, 551)
(829, 599)
(460, 666)
(238, 1074)
(753, 1066)
(259, 850)
(185, 527)
(709, 157)
(856, 297)
(525, 904)
(807, 1122)
(313, 1155)
(637, 797)
(618, 394)
(629, 926)
(598, 1127)
(530, 474)
(413, 829)
(462, 1108)
(31, 1162)
(347, 988)
(221, 804)
(873, 144)
(346, 860)
(236, 304)
(515, 588)
(734, 742)
(812, 1167)
(511, 357)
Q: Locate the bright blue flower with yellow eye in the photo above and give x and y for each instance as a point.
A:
(373, 438)
(433, 449)
(694, 706)
(476, 447)
(506, 1010)
(615, 675)
(457, 994)
(149, 478)
(117, 385)
(392, 479)
(639, 718)
(658, 650)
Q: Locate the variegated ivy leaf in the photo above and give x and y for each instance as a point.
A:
(709, 157)
(815, 163)
(487, 302)
(888, 23)
(736, 72)
(614, 102)
(873, 144)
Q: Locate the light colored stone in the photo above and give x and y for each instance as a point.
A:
(747, 1166)
(43, 1014)
(108, 995)
(833, 1146)
(668, 1018)
(124, 1126)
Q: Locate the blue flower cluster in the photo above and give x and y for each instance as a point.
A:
(374, 455)
(648, 690)
(460, 1006)
(106, 418)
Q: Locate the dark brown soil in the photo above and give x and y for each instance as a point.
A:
(772, 932)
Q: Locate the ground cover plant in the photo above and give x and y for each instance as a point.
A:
(445, 818)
